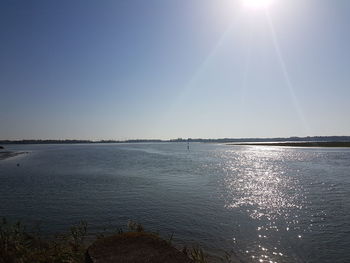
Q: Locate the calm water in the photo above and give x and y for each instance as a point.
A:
(265, 204)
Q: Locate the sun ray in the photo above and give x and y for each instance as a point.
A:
(246, 71)
(286, 74)
(200, 70)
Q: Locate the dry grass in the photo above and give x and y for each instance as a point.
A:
(17, 245)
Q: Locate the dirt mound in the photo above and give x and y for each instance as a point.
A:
(134, 247)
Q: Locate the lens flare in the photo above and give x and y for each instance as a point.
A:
(257, 4)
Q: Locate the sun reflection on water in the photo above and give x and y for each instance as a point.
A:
(255, 180)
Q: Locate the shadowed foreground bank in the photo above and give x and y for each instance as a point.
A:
(134, 247)
(17, 245)
(298, 144)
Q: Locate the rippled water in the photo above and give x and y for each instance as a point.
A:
(265, 204)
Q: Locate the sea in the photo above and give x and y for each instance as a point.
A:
(256, 203)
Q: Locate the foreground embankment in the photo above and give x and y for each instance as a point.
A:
(77, 246)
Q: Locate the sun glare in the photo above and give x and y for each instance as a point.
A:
(257, 4)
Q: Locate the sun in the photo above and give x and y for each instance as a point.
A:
(257, 4)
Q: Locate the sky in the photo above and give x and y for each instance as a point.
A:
(127, 69)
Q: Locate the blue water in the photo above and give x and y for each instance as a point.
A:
(264, 204)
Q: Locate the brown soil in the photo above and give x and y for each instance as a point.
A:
(134, 247)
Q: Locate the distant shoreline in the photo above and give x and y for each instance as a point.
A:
(308, 139)
(297, 144)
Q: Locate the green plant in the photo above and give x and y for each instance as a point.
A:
(197, 255)
(133, 226)
(170, 238)
(20, 246)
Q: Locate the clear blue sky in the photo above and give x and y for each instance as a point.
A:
(173, 68)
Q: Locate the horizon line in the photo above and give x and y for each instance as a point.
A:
(176, 139)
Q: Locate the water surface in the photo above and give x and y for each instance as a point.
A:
(265, 204)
